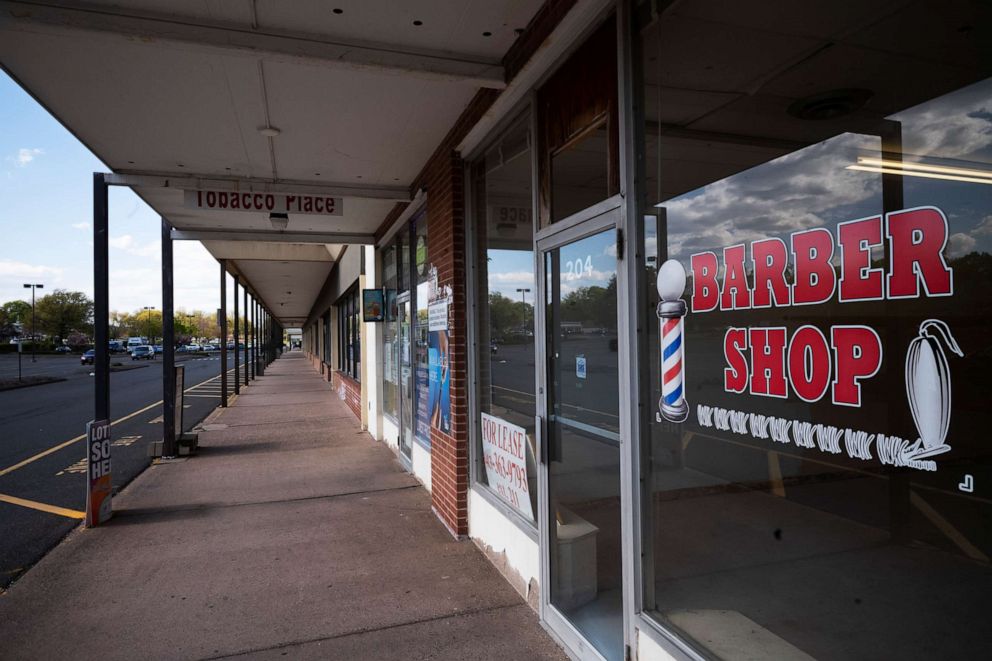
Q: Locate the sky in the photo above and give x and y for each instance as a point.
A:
(46, 209)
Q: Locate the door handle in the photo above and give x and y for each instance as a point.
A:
(542, 441)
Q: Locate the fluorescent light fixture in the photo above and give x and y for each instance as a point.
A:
(911, 169)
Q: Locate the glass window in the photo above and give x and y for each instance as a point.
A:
(820, 204)
(579, 150)
(390, 373)
(580, 173)
(349, 334)
(505, 292)
(421, 350)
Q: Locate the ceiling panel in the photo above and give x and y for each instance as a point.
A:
(288, 288)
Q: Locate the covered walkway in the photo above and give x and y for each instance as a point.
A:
(291, 534)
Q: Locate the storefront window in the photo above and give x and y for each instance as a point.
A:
(811, 486)
(421, 356)
(390, 372)
(577, 110)
(349, 334)
(505, 294)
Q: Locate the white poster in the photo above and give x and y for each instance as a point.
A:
(505, 449)
(437, 315)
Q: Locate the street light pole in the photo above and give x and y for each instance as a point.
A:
(523, 299)
(34, 330)
(148, 319)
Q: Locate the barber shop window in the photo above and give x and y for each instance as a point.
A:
(818, 188)
(349, 311)
(505, 293)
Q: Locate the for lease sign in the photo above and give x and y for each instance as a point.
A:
(505, 449)
(322, 205)
(99, 483)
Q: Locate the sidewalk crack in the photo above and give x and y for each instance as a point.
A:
(366, 630)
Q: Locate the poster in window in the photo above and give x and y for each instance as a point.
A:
(373, 305)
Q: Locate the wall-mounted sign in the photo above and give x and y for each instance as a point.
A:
(321, 205)
(373, 305)
(504, 447)
(99, 483)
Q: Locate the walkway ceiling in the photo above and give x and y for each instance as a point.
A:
(174, 95)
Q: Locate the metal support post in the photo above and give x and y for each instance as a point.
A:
(251, 340)
(170, 435)
(223, 333)
(247, 325)
(237, 340)
(101, 299)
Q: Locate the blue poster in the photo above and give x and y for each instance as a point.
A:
(440, 381)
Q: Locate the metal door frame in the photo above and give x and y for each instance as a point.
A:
(405, 460)
(598, 218)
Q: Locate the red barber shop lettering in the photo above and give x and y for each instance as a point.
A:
(915, 238)
(764, 362)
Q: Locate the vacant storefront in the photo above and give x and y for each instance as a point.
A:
(781, 471)
(407, 285)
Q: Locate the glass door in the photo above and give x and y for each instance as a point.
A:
(406, 378)
(581, 539)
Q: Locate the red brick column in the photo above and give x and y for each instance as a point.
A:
(443, 177)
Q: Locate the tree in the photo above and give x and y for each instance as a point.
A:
(15, 318)
(62, 312)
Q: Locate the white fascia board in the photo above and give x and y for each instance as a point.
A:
(253, 185)
(272, 236)
(227, 39)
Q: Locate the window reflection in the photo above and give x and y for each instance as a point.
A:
(505, 295)
(798, 521)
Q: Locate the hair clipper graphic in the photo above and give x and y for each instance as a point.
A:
(671, 310)
(928, 388)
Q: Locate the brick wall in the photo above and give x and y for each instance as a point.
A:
(443, 178)
(348, 390)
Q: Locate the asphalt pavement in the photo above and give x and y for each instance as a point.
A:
(42, 449)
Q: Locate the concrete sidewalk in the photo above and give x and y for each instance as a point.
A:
(291, 535)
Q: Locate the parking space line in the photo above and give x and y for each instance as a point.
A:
(45, 453)
(43, 507)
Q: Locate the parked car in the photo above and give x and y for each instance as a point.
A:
(142, 352)
(208, 347)
(116, 346)
(63, 349)
(88, 357)
(158, 348)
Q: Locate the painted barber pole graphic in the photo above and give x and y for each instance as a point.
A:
(671, 310)
(928, 388)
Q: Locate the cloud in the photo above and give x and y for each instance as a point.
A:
(14, 274)
(797, 191)
(81, 226)
(25, 155)
(128, 244)
(12, 269)
(960, 244)
(984, 227)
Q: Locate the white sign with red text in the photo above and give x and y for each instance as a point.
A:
(322, 205)
(504, 447)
